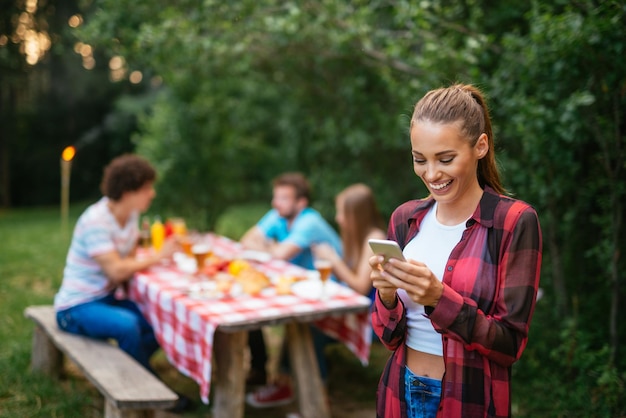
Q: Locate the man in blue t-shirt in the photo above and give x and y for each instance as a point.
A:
(287, 232)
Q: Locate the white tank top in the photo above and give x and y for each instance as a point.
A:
(432, 246)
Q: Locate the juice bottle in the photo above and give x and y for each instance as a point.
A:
(169, 228)
(157, 233)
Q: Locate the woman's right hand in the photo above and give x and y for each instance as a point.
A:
(386, 290)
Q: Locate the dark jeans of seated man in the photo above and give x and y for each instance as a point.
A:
(109, 317)
(258, 358)
(121, 320)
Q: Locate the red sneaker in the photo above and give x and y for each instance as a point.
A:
(271, 395)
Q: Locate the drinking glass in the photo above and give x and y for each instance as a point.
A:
(325, 268)
(201, 252)
(179, 227)
(186, 243)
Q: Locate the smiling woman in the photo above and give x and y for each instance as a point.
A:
(471, 272)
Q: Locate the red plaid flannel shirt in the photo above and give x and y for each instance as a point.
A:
(490, 287)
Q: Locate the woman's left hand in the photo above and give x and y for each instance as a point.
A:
(416, 279)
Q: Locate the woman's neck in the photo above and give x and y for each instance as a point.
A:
(454, 213)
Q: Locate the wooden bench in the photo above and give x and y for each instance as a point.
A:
(129, 390)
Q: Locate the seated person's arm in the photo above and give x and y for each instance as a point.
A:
(120, 269)
(255, 239)
(284, 250)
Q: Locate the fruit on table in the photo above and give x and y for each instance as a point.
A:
(236, 266)
(252, 281)
(214, 264)
(283, 286)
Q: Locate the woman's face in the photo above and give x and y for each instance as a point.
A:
(445, 161)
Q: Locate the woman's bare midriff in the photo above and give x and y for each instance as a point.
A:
(424, 364)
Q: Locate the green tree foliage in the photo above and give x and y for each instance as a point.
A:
(256, 88)
(562, 96)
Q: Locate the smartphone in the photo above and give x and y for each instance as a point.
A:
(386, 248)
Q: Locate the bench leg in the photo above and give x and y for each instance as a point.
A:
(229, 396)
(111, 411)
(46, 357)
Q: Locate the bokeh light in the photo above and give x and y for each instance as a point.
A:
(135, 77)
(86, 52)
(75, 21)
(33, 43)
(117, 65)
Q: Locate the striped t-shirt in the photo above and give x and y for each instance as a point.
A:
(96, 232)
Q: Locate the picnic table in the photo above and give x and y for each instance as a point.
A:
(197, 333)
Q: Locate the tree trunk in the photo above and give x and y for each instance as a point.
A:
(558, 280)
(614, 173)
(614, 277)
(6, 109)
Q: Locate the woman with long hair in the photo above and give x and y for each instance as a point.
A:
(456, 313)
(359, 220)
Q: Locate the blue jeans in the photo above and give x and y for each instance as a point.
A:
(107, 318)
(422, 395)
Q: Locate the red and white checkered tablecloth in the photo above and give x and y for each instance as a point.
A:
(185, 325)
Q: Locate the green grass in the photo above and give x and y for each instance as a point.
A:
(33, 246)
(32, 253)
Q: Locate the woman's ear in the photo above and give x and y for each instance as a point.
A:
(482, 146)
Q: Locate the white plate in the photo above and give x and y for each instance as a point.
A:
(209, 290)
(268, 292)
(312, 289)
(185, 263)
(260, 256)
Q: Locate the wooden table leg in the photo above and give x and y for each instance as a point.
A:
(310, 389)
(229, 385)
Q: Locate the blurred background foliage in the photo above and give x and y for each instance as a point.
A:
(223, 96)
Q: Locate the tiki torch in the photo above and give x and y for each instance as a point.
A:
(66, 165)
